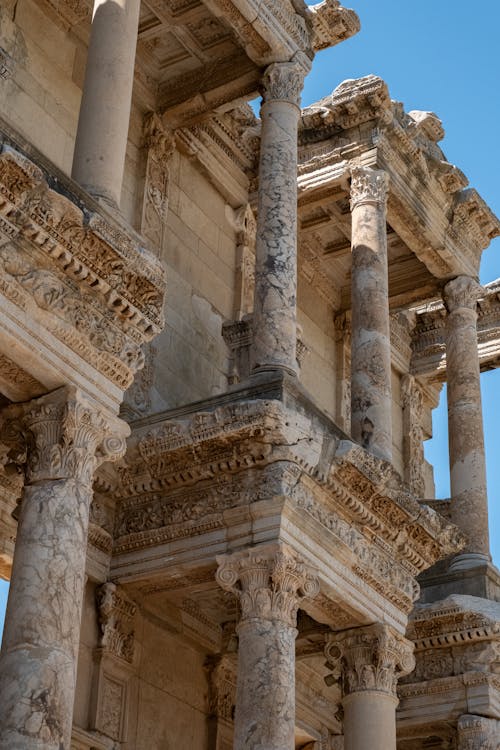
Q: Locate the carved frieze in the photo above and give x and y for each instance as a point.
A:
(332, 24)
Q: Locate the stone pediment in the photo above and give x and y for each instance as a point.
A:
(263, 464)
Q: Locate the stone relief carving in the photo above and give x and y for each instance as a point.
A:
(413, 437)
(160, 146)
(116, 618)
(477, 733)
(332, 24)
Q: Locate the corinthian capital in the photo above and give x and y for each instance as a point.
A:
(283, 82)
(67, 436)
(368, 186)
(462, 292)
(370, 658)
(270, 582)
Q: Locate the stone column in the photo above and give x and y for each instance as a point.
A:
(371, 400)
(275, 324)
(469, 501)
(101, 138)
(270, 582)
(67, 436)
(369, 661)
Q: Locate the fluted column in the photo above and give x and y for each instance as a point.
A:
(371, 400)
(66, 438)
(270, 582)
(101, 139)
(369, 661)
(275, 322)
(469, 500)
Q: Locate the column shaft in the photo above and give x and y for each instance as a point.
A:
(270, 582)
(370, 660)
(371, 399)
(42, 625)
(265, 693)
(101, 138)
(274, 323)
(469, 501)
(370, 721)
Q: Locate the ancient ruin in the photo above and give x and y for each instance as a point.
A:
(222, 337)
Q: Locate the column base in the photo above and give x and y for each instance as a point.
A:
(465, 574)
(274, 368)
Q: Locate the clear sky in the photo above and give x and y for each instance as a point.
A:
(441, 56)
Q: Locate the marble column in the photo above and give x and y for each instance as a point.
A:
(370, 660)
(101, 139)
(66, 436)
(275, 319)
(270, 582)
(371, 399)
(469, 501)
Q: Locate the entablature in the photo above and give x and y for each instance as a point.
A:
(263, 464)
(439, 227)
(429, 335)
(80, 294)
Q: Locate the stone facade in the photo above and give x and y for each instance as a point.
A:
(221, 340)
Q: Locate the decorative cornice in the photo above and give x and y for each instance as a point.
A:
(369, 658)
(270, 581)
(368, 187)
(95, 288)
(332, 24)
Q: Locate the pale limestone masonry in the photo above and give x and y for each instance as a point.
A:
(221, 341)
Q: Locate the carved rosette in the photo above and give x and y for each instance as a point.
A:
(283, 82)
(270, 582)
(370, 658)
(116, 620)
(65, 436)
(462, 292)
(368, 186)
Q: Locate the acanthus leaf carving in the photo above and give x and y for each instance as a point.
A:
(116, 620)
(270, 582)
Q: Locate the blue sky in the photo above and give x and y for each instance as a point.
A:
(442, 56)
(437, 55)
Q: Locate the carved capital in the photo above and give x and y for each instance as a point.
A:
(477, 733)
(270, 582)
(368, 186)
(370, 658)
(462, 292)
(116, 621)
(62, 435)
(283, 82)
